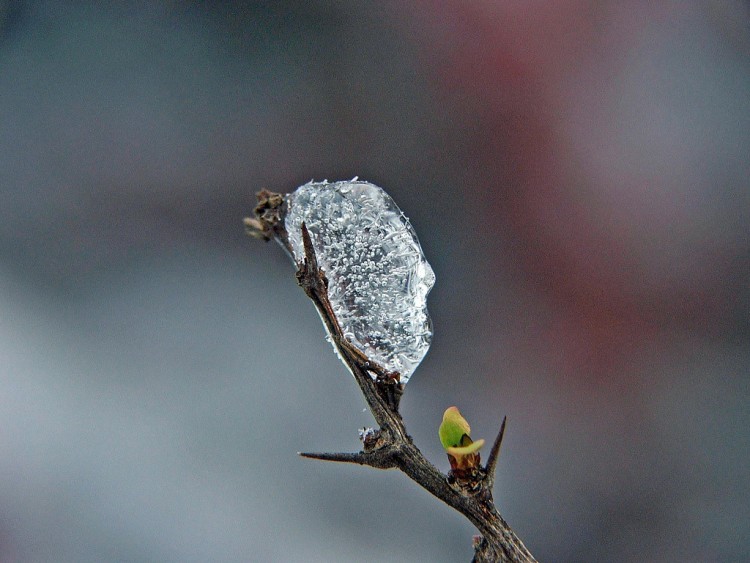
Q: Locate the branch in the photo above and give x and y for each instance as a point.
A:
(391, 446)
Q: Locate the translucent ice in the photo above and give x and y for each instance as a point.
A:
(378, 277)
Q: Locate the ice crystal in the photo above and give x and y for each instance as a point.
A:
(378, 277)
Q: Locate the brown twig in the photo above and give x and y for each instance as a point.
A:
(391, 446)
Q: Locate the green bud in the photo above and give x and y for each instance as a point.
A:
(453, 428)
(463, 452)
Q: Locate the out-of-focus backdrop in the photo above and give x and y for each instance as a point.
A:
(577, 173)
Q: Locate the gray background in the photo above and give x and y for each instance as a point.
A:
(578, 176)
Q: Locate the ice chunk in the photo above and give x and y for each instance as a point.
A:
(378, 277)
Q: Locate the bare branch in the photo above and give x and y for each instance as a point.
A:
(391, 446)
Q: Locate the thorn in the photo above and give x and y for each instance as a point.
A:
(309, 249)
(494, 454)
(382, 458)
(358, 458)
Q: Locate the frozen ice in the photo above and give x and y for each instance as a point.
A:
(378, 277)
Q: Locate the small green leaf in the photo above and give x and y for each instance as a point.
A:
(453, 428)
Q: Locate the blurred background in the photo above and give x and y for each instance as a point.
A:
(577, 173)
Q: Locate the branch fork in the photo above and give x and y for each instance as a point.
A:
(390, 446)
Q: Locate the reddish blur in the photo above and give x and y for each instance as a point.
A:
(604, 154)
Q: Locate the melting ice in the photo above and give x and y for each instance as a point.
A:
(378, 277)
